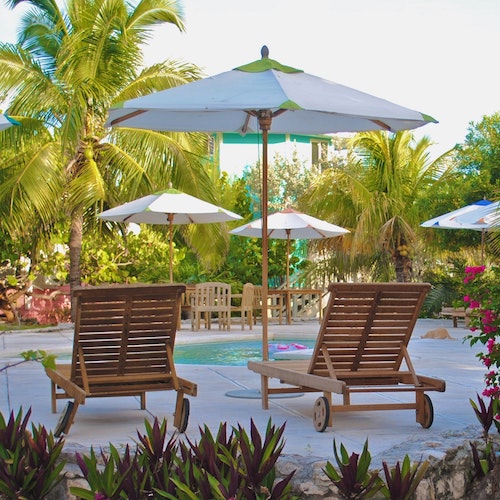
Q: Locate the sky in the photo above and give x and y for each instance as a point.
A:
(439, 57)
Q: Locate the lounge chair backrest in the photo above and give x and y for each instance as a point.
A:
(365, 326)
(124, 330)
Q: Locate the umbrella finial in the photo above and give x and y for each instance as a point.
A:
(264, 52)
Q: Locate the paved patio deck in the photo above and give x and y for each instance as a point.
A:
(104, 420)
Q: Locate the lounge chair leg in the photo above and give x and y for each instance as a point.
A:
(329, 397)
(181, 415)
(143, 400)
(53, 396)
(264, 381)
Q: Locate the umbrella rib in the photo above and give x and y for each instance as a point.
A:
(382, 124)
(116, 121)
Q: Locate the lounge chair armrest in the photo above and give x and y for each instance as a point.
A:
(64, 383)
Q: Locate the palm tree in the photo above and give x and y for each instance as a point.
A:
(376, 196)
(67, 69)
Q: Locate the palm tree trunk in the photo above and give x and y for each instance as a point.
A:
(403, 266)
(75, 251)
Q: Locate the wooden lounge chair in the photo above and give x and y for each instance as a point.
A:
(360, 348)
(123, 346)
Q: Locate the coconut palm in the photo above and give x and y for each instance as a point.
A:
(67, 69)
(375, 196)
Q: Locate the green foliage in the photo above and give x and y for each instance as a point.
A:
(479, 156)
(484, 413)
(29, 461)
(47, 360)
(402, 480)
(483, 298)
(225, 466)
(353, 480)
(485, 463)
(288, 180)
(376, 196)
(63, 163)
(447, 286)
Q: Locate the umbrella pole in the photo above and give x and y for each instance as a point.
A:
(482, 246)
(265, 125)
(171, 244)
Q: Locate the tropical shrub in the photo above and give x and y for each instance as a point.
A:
(483, 298)
(29, 461)
(234, 465)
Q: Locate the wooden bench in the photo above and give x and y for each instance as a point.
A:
(361, 348)
(455, 313)
(123, 346)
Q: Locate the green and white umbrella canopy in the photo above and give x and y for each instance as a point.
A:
(233, 101)
(289, 225)
(169, 207)
(267, 96)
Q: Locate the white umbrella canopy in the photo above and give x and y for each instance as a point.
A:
(169, 207)
(478, 216)
(289, 225)
(455, 219)
(267, 96)
(483, 217)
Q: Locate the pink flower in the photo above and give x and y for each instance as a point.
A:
(493, 392)
(490, 344)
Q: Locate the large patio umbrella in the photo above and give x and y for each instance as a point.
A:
(290, 225)
(267, 96)
(169, 207)
(478, 216)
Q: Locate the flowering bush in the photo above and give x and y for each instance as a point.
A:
(483, 298)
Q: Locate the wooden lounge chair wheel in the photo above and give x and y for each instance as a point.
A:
(182, 421)
(428, 412)
(64, 419)
(321, 414)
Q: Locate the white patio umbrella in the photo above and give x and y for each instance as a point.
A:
(478, 216)
(289, 225)
(169, 207)
(267, 96)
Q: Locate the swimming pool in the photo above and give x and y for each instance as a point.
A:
(235, 353)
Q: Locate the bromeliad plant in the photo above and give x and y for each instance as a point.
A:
(353, 480)
(29, 460)
(227, 466)
(402, 480)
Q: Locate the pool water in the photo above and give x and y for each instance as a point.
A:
(230, 353)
